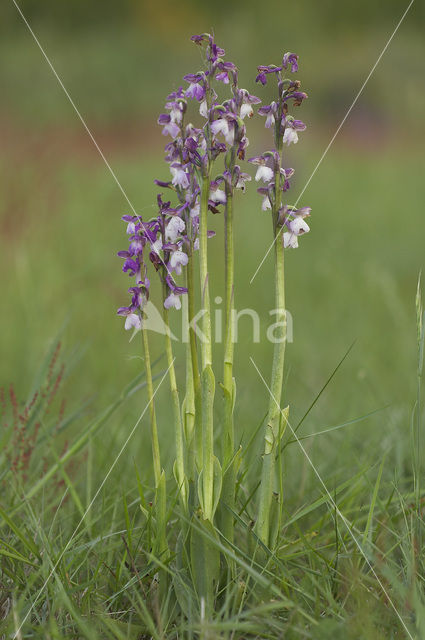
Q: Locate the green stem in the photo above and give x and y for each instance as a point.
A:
(178, 427)
(160, 488)
(195, 365)
(273, 419)
(189, 404)
(206, 348)
(207, 377)
(229, 479)
(152, 413)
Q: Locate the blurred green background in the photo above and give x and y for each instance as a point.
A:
(353, 278)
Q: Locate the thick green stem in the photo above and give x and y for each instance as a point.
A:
(273, 419)
(178, 427)
(229, 479)
(207, 376)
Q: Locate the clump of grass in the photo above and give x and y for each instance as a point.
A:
(314, 583)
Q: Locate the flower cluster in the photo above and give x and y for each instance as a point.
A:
(286, 129)
(172, 237)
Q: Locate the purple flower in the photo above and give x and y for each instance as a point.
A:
(290, 59)
(195, 91)
(169, 125)
(270, 111)
(197, 39)
(173, 298)
(131, 319)
(171, 129)
(136, 245)
(294, 221)
(223, 76)
(297, 97)
(264, 70)
(132, 266)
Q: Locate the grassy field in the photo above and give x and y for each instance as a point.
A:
(351, 290)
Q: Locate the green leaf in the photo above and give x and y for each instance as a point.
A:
(29, 544)
(205, 560)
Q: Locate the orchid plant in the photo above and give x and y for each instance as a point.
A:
(205, 174)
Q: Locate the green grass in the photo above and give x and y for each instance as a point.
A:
(353, 279)
(77, 539)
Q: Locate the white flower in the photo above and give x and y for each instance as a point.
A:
(132, 320)
(290, 136)
(203, 109)
(222, 126)
(266, 203)
(177, 259)
(195, 211)
(179, 176)
(218, 195)
(270, 120)
(172, 301)
(156, 246)
(298, 226)
(176, 115)
(264, 173)
(196, 244)
(174, 228)
(244, 177)
(171, 129)
(246, 110)
(290, 240)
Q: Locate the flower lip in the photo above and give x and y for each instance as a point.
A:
(264, 173)
(133, 320)
(298, 226)
(290, 240)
